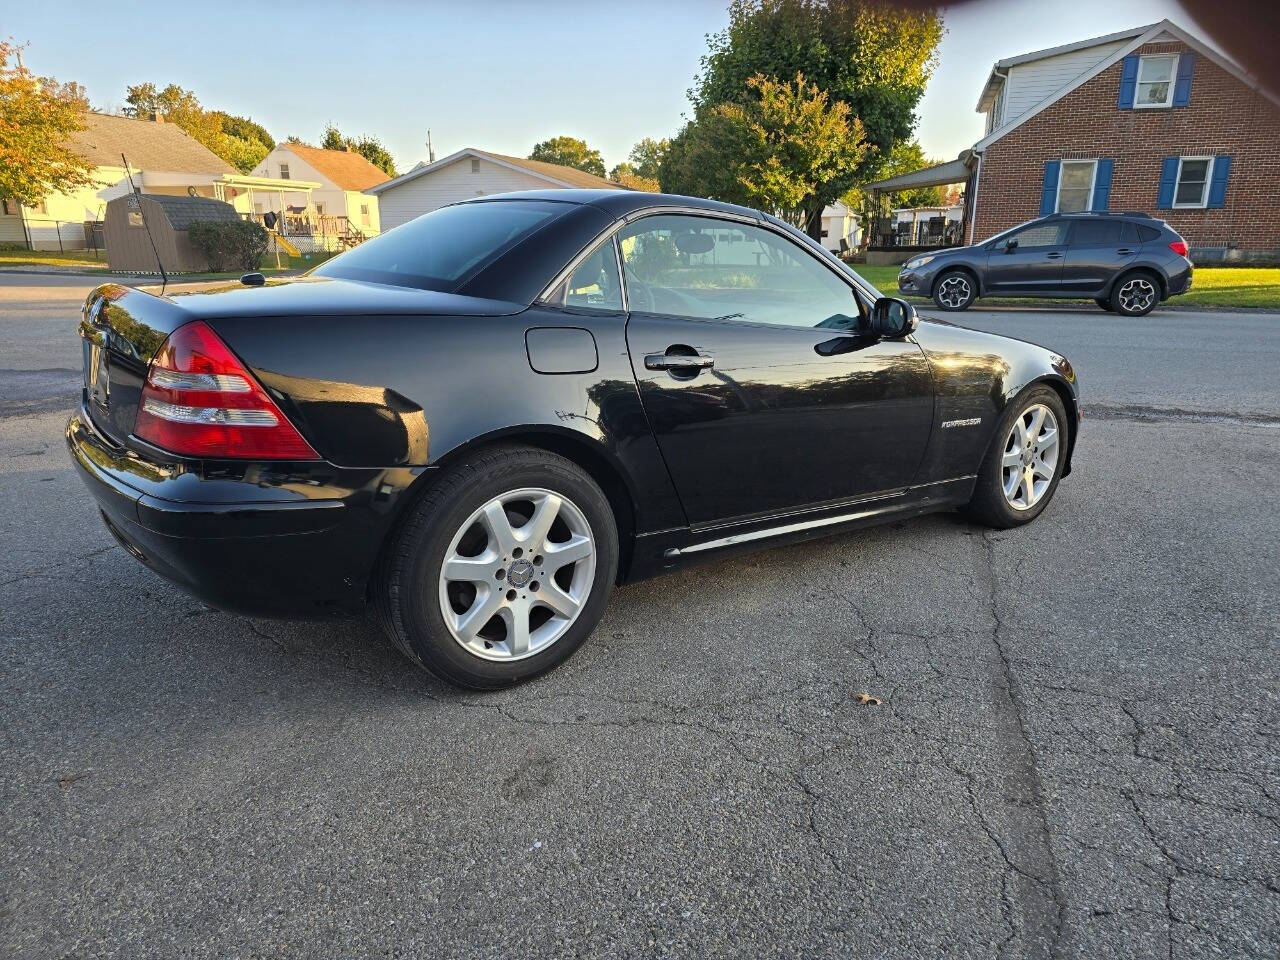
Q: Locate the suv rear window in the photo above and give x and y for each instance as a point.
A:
(441, 250)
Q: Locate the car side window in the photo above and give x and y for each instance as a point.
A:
(710, 269)
(1095, 233)
(1040, 235)
(594, 284)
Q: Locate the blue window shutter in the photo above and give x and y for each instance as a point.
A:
(1168, 180)
(1049, 192)
(1218, 185)
(1182, 87)
(1128, 81)
(1102, 184)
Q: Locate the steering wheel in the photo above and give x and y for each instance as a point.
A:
(639, 296)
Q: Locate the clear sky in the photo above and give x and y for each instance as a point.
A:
(489, 74)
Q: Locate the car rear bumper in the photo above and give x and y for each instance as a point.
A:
(1180, 281)
(289, 549)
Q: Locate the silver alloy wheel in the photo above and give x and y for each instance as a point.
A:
(508, 590)
(1136, 295)
(1030, 456)
(954, 291)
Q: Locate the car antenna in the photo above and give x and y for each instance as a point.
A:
(164, 277)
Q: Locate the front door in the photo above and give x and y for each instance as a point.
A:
(1027, 261)
(763, 388)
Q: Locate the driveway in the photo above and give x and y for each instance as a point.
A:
(1074, 753)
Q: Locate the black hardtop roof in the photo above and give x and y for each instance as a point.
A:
(622, 203)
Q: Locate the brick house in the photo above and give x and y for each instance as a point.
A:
(1159, 122)
(1149, 119)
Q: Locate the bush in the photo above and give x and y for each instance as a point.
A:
(229, 244)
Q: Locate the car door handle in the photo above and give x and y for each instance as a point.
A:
(678, 361)
(1054, 256)
(1124, 251)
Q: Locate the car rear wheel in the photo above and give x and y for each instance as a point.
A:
(1135, 295)
(1021, 471)
(955, 290)
(501, 570)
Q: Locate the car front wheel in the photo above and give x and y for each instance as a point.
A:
(501, 570)
(1135, 295)
(955, 290)
(1024, 464)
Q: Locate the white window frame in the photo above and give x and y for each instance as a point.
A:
(1204, 193)
(1093, 183)
(284, 171)
(1173, 82)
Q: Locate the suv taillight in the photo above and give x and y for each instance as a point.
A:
(1179, 247)
(200, 401)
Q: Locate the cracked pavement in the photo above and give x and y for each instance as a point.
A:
(1075, 753)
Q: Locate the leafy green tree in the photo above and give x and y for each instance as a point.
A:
(626, 175)
(873, 58)
(569, 152)
(904, 158)
(646, 156)
(370, 148)
(788, 149)
(37, 117)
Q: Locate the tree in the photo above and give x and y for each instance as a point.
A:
(370, 148)
(625, 174)
(904, 158)
(787, 149)
(237, 140)
(569, 152)
(872, 57)
(38, 115)
(646, 156)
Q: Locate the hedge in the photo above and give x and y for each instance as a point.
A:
(229, 244)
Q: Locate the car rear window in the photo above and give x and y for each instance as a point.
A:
(442, 249)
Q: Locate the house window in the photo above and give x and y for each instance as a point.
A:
(319, 209)
(475, 164)
(284, 171)
(364, 214)
(1075, 185)
(1193, 182)
(1155, 82)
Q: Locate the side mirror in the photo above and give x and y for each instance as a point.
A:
(1010, 246)
(892, 318)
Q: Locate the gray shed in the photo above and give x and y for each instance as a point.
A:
(128, 247)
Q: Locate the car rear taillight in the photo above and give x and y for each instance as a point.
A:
(1179, 247)
(200, 401)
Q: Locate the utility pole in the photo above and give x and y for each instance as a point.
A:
(431, 153)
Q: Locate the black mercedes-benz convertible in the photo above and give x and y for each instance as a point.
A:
(480, 421)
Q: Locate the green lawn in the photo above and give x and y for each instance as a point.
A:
(1210, 287)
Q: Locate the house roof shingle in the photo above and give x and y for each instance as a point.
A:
(147, 144)
(571, 175)
(184, 211)
(348, 169)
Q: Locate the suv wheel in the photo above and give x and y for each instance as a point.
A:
(1135, 295)
(501, 570)
(955, 290)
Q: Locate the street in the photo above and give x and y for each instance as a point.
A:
(1074, 752)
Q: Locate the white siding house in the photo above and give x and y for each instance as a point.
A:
(471, 173)
(1019, 83)
(342, 175)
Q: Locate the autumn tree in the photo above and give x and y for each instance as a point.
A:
(370, 148)
(640, 170)
(904, 158)
(38, 117)
(787, 148)
(237, 140)
(569, 152)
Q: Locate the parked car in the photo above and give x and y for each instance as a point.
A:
(1125, 262)
(479, 422)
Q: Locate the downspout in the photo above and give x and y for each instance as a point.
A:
(973, 203)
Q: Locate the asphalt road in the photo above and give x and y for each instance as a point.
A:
(1075, 754)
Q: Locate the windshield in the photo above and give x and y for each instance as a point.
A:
(442, 249)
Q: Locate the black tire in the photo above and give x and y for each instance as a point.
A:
(407, 596)
(1103, 303)
(989, 504)
(955, 290)
(1140, 284)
